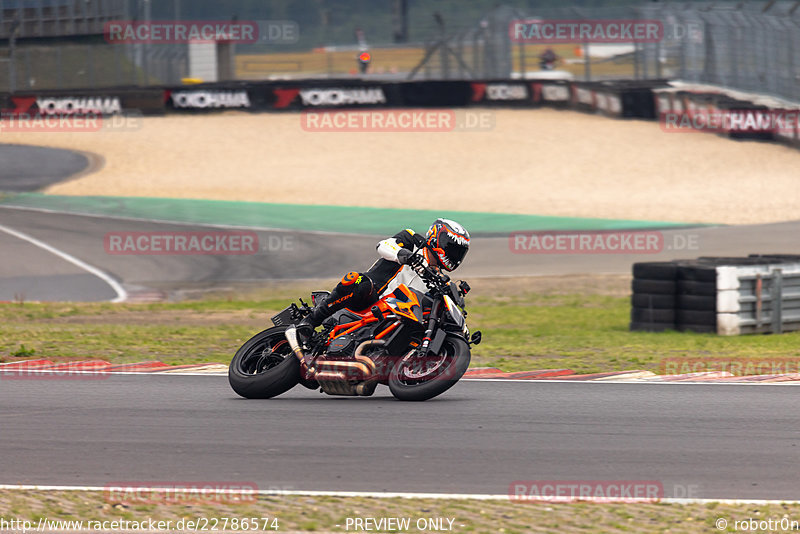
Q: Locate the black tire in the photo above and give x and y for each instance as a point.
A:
(422, 391)
(652, 315)
(692, 317)
(701, 289)
(651, 327)
(263, 376)
(655, 270)
(656, 287)
(698, 274)
(697, 303)
(649, 300)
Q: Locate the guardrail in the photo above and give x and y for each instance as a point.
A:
(763, 299)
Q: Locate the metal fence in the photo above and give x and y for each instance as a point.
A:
(747, 45)
(23, 19)
(54, 44)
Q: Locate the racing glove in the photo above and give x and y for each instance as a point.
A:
(406, 257)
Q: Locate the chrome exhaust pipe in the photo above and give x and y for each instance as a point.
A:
(367, 344)
(367, 387)
(362, 369)
(291, 337)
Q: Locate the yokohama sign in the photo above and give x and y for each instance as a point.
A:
(210, 99)
(342, 97)
(50, 106)
(499, 92)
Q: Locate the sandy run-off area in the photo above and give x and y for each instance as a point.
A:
(543, 162)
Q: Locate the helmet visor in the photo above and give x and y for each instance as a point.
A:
(454, 254)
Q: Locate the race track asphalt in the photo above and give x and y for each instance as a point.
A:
(30, 168)
(698, 441)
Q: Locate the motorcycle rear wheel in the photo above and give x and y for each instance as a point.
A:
(408, 384)
(265, 366)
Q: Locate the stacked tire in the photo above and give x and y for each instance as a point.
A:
(679, 295)
(696, 298)
(653, 300)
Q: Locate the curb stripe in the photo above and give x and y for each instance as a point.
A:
(487, 374)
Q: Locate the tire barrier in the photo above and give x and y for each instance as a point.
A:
(724, 295)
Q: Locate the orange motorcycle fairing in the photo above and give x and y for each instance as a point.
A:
(404, 302)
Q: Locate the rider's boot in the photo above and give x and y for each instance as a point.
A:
(306, 327)
(355, 290)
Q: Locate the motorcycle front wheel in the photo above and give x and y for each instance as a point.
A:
(420, 379)
(265, 366)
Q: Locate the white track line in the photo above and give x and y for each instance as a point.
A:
(383, 495)
(122, 295)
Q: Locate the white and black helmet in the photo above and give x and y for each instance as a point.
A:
(450, 241)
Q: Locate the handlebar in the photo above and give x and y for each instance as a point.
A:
(433, 279)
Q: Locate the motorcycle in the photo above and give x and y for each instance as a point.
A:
(416, 343)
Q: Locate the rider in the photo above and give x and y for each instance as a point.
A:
(449, 242)
(548, 59)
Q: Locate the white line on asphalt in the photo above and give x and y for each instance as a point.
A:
(665, 382)
(122, 295)
(383, 495)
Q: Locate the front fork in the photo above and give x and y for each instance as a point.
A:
(430, 341)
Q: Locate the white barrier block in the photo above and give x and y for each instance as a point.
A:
(728, 301)
(728, 324)
(727, 278)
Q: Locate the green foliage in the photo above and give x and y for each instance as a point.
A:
(22, 352)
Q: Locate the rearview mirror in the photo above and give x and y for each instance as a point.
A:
(319, 296)
(476, 338)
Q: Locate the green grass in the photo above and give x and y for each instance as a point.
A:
(323, 514)
(585, 333)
